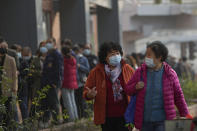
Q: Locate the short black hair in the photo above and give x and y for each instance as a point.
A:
(81, 46)
(14, 47)
(184, 59)
(65, 50)
(76, 48)
(27, 48)
(159, 49)
(67, 42)
(106, 48)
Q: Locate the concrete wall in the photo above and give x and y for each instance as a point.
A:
(73, 18)
(187, 21)
(154, 22)
(103, 3)
(147, 24)
(18, 22)
(108, 23)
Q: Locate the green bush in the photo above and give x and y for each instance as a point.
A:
(157, 1)
(177, 1)
(189, 88)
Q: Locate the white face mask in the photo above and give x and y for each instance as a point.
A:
(115, 60)
(149, 62)
(49, 46)
(43, 50)
(26, 57)
(19, 54)
(86, 52)
(80, 55)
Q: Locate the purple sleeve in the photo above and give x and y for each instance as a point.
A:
(130, 87)
(179, 97)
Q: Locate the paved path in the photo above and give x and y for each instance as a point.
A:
(87, 125)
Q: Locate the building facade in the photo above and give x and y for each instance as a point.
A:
(172, 23)
(83, 21)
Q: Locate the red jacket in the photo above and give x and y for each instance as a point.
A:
(97, 78)
(70, 73)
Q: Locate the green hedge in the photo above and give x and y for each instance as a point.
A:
(158, 1)
(189, 88)
(177, 1)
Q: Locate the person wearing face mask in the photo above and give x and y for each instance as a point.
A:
(157, 92)
(24, 80)
(15, 47)
(52, 75)
(92, 59)
(36, 68)
(69, 43)
(10, 51)
(8, 84)
(69, 84)
(83, 69)
(106, 86)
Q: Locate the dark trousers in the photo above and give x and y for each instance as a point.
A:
(81, 103)
(24, 106)
(153, 126)
(50, 105)
(6, 117)
(114, 124)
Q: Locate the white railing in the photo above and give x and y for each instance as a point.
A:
(146, 1)
(104, 3)
(165, 1)
(153, 1)
(189, 1)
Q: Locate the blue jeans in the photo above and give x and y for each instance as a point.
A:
(68, 97)
(153, 126)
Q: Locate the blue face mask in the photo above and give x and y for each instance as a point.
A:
(43, 50)
(149, 62)
(49, 46)
(115, 60)
(86, 52)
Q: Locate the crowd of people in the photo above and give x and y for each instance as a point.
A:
(72, 75)
(61, 72)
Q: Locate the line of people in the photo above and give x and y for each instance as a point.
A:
(64, 72)
(74, 73)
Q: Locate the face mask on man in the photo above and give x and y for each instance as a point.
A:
(26, 57)
(86, 52)
(49, 46)
(80, 55)
(19, 55)
(43, 50)
(115, 60)
(149, 62)
(3, 51)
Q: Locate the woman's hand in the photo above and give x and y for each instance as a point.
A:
(91, 92)
(139, 85)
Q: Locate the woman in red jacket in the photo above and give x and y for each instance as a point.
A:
(69, 83)
(106, 84)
